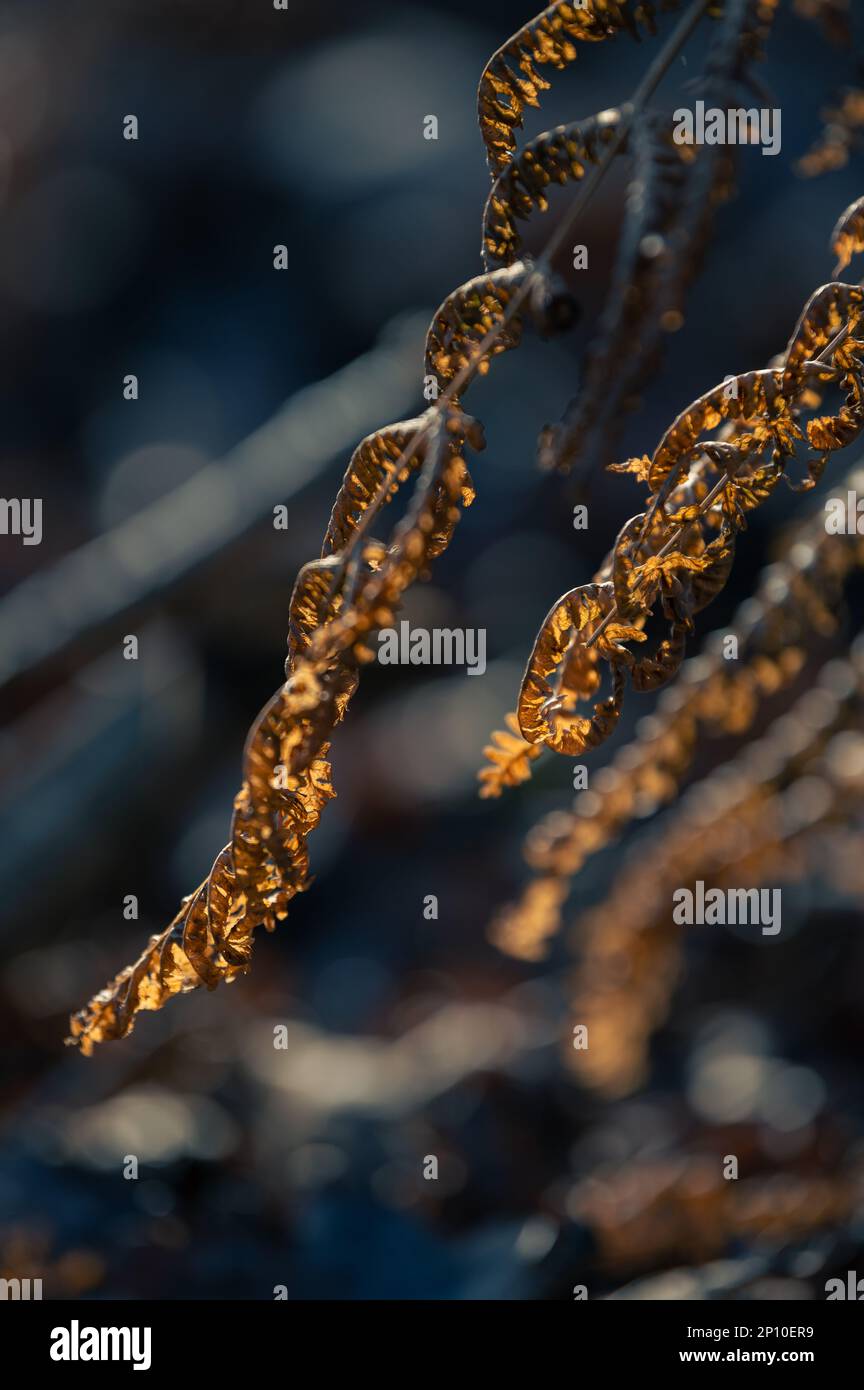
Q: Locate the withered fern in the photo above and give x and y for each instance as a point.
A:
(764, 817)
(355, 588)
(511, 79)
(795, 603)
(674, 557)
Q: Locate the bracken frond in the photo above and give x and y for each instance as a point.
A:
(559, 156)
(669, 562)
(795, 602)
(847, 238)
(511, 80)
(764, 817)
(843, 130)
(509, 757)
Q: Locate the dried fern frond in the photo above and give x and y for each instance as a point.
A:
(642, 574)
(680, 551)
(485, 305)
(559, 156)
(659, 1213)
(761, 403)
(386, 455)
(754, 820)
(250, 884)
(357, 585)
(795, 601)
(509, 757)
(511, 80)
(563, 671)
(841, 135)
(829, 433)
(287, 779)
(830, 309)
(338, 603)
(443, 488)
(524, 934)
(847, 238)
(749, 398)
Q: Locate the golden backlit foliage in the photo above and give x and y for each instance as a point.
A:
(674, 557)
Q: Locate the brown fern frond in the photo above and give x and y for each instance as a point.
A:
(509, 757)
(287, 776)
(524, 934)
(358, 584)
(830, 309)
(250, 884)
(466, 316)
(757, 819)
(642, 574)
(558, 156)
(796, 600)
(843, 129)
(511, 80)
(680, 551)
(749, 398)
(662, 1213)
(548, 709)
(388, 455)
(847, 238)
(830, 432)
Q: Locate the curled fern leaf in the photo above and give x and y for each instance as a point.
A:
(830, 432)
(795, 603)
(548, 708)
(830, 309)
(385, 454)
(498, 303)
(559, 156)
(847, 238)
(511, 80)
(509, 759)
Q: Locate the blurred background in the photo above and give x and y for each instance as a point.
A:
(407, 1038)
